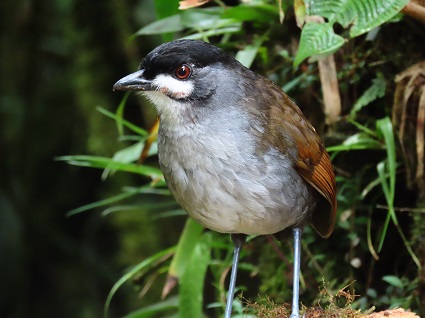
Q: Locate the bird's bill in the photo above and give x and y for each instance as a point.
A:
(134, 82)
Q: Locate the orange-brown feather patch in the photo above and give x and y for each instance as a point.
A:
(317, 170)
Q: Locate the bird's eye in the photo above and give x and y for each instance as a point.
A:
(183, 71)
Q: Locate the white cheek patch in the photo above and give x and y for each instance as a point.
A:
(173, 113)
(172, 87)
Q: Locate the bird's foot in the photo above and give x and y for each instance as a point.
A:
(296, 315)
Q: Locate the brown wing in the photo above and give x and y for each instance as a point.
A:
(312, 162)
(315, 167)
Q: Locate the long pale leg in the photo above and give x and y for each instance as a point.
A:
(238, 241)
(297, 260)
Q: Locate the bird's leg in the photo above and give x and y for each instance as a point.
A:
(238, 241)
(296, 287)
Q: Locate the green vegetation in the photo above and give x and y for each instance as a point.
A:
(141, 240)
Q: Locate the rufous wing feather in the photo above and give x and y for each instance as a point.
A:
(315, 167)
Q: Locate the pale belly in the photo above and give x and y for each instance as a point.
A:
(236, 191)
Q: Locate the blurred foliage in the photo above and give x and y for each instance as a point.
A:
(59, 61)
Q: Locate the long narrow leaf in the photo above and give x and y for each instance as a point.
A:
(385, 188)
(362, 127)
(143, 266)
(100, 203)
(156, 309)
(385, 127)
(136, 129)
(108, 163)
(120, 114)
(389, 166)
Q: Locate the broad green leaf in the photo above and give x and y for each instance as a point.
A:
(129, 154)
(375, 91)
(203, 19)
(317, 39)
(247, 55)
(167, 25)
(378, 12)
(362, 15)
(331, 9)
(262, 13)
(393, 280)
(192, 281)
(165, 8)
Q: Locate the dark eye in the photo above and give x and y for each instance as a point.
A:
(183, 71)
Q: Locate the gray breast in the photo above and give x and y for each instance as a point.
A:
(217, 175)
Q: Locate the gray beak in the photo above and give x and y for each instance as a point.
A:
(134, 82)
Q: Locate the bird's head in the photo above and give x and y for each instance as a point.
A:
(184, 74)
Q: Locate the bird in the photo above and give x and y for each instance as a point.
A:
(236, 152)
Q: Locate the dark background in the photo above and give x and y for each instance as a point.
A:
(58, 62)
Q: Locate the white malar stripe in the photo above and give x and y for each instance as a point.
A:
(173, 113)
(172, 87)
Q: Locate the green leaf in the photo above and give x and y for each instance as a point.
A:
(167, 25)
(192, 232)
(100, 203)
(141, 267)
(204, 19)
(317, 39)
(393, 280)
(108, 163)
(262, 13)
(375, 91)
(247, 55)
(363, 15)
(129, 154)
(362, 128)
(379, 12)
(300, 12)
(388, 167)
(386, 128)
(359, 141)
(204, 35)
(170, 304)
(120, 114)
(142, 207)
(132, 127)
(165, 8)
(192, 281)
(127, 193)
